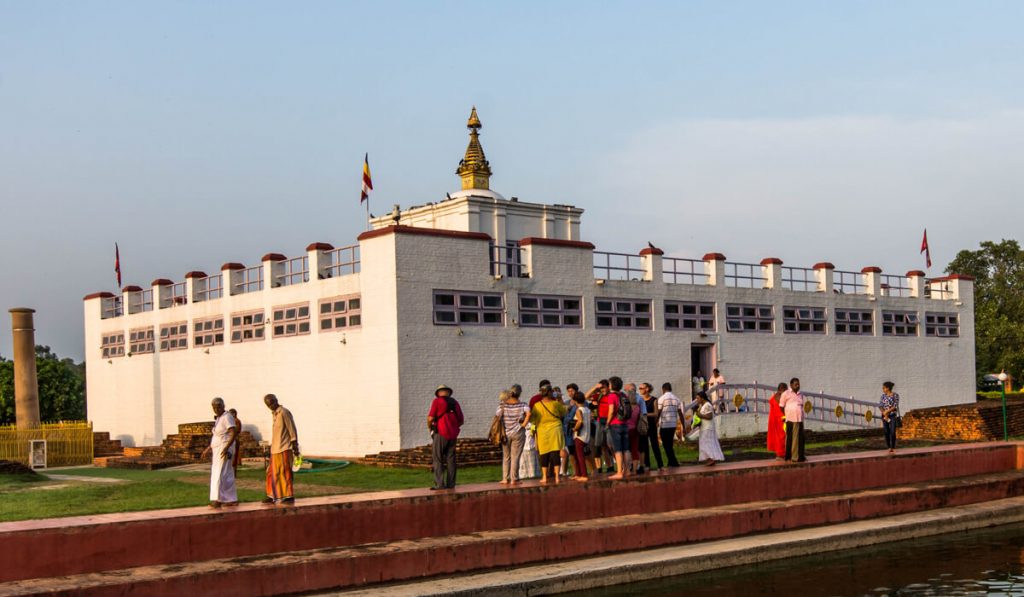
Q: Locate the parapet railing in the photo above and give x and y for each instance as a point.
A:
(343, 261)
(250, 280)
(618, 266)
(845, 282)
(894, 285)
(179, 294)
(744, 275)
(508, 261)
(111, 307)
(800, 279)
(937, 290)
(293, 271)
(818, 406)
(209, 288)
(140, 302)
(678, 270)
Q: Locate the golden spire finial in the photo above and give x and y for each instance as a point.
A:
(474, 169)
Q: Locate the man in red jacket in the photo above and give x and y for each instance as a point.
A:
(444, 420)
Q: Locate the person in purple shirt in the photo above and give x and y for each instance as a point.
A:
(444, 420)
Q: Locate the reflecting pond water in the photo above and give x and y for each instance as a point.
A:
(986, 562)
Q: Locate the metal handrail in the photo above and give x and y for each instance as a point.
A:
(744, 275)
(894, 285)
(296, 271)
(252, 280)
(209, 288)
(508, 261)
(678, 270)
(825, 408)
(800, 279)
(845, 282)
(343, 261)
(617, 266)
(111, 307)
(938, 290)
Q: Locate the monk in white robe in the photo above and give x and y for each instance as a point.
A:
(222, 446)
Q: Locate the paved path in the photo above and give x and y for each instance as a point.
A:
(575, 575)
(82, 478)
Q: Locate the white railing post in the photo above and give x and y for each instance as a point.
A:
(231, 277)
(273, 267)
(190, 285)
(651, 257)
(714, 266)
(318, 261)
(163, 296)
(915, 279)
(872, 280)
(823, 271)
(771, 268)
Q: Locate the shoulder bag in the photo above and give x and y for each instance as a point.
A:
(497, 434)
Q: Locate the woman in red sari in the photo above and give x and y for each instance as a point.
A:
(776, 425)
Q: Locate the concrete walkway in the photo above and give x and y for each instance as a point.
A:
(558, 577)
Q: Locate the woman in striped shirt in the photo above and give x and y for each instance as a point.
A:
(513, 414)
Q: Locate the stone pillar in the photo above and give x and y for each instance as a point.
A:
(273, 268)
(319, 264)
(191, 288)
(714, 266)
(772, 268)
(26, 384)
(232, 277)
(872, 280)
(916, 278)
(651, 259)
(823, 271)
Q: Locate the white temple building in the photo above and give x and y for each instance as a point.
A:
(479, 292)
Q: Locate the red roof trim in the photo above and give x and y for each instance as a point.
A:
(98, 295)
(714, 257)
(161, 282)
(915, 273)
(423, 232)
(273, 257)
(231, 265)
(131, 289)
(823, 265)
(771, 261)
(195, 274)
(319, 247)
(651, 251)
(871, 269)
(555, 242)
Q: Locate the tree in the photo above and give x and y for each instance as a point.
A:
(998, 270)
(61, 388)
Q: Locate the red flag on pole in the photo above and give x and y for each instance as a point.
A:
(367, 183)
(117, 265)
(925, 250)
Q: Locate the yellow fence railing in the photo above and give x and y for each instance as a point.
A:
(68, 443)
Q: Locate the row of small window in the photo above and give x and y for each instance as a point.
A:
(483, 308)
(336, 314)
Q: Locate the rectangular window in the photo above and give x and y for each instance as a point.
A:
(468, 308)
(174, 336)
(803, 320)
(622, 313)
(751, 319)
(291, 320)
(113, 345)
(854, 322)
(550, 311)
(140, 340)
(942, 325)
(340, 313)
(690, 316)
(899, 323)
(208, 332)
(247, 327)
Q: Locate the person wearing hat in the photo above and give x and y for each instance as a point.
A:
(444, 420)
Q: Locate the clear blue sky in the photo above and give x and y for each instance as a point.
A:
(195, 133)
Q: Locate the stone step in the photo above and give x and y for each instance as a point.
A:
(360, 565)
(78, 545)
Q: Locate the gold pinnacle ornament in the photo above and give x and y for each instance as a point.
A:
(474, 169)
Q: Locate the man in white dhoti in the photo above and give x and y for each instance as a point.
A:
(710, 449)
(222, 445)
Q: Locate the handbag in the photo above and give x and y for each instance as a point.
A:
(642, 425)
(497, 435)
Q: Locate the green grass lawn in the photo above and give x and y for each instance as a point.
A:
(35, 496)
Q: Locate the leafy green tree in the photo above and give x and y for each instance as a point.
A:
(61, 388)
(998, 269)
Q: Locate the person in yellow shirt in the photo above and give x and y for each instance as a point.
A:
(547, 415)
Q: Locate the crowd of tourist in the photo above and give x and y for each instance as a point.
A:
(618, 429)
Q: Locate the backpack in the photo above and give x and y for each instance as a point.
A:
(625, 408)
